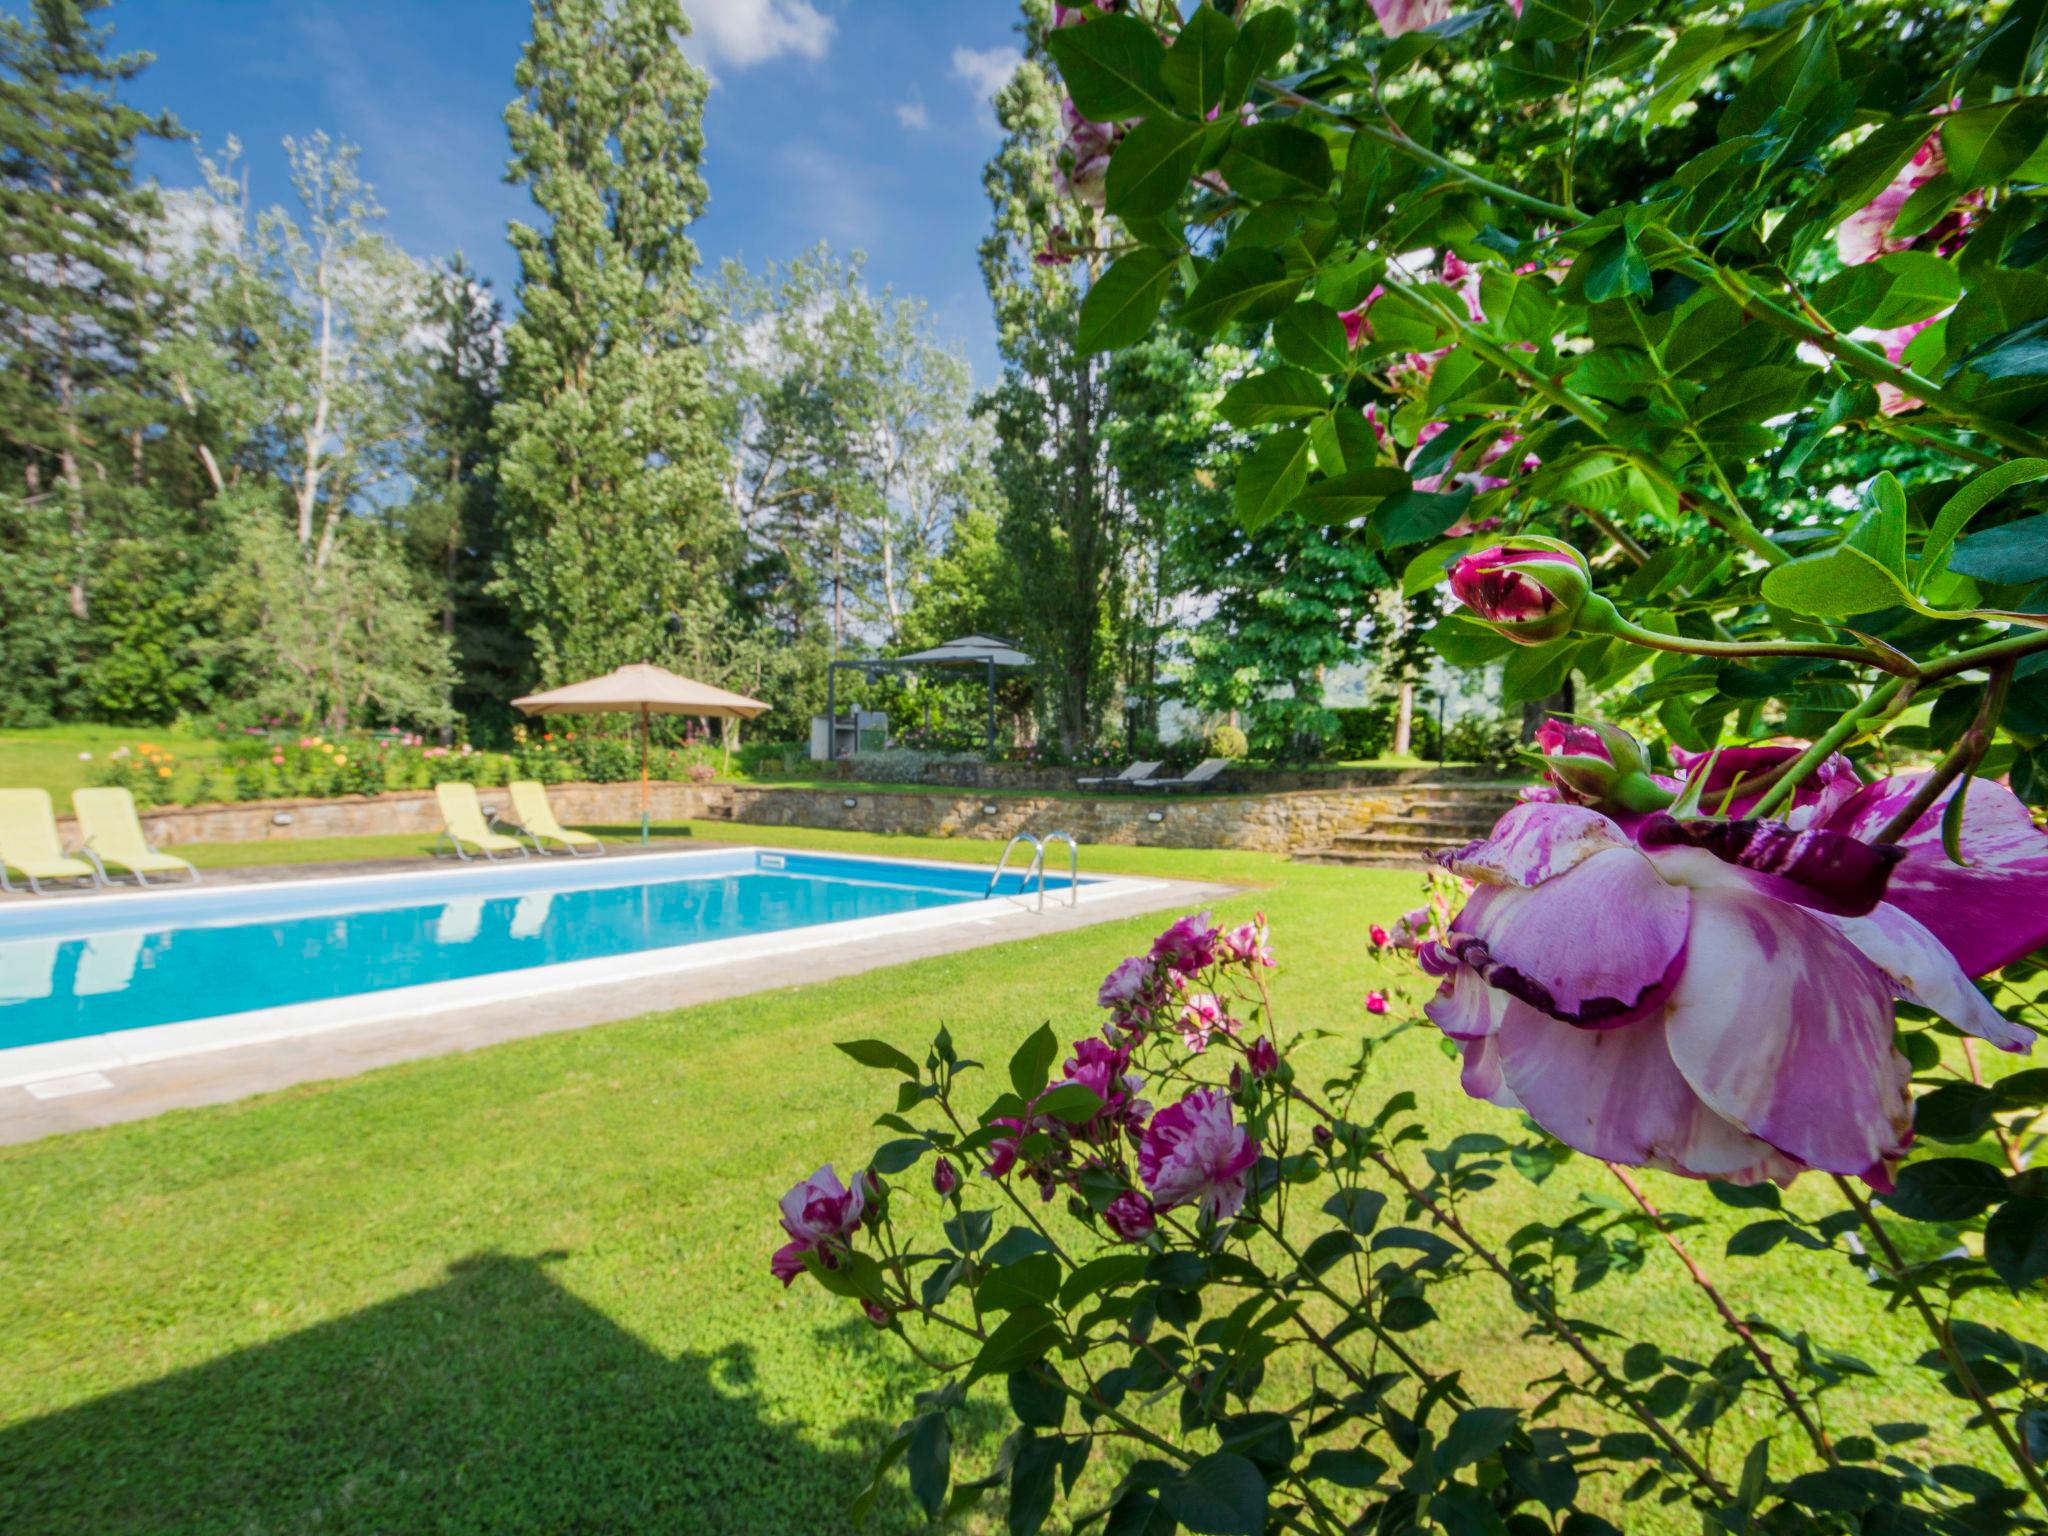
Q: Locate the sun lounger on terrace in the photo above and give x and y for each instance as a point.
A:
(113, 834)
(1205, 774)
(1131, 775)
(465, 827)
(29, 845)
(537, 820)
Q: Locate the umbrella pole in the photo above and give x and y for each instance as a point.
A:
(643, 775)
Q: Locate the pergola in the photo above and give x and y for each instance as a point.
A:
(985, 651)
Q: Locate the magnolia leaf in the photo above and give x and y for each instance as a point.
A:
(1247, 278)
(1350, 496)
(1194, 67)
(1311, 335)
(1279, 394)
(1112, 67)
(1271, 477)
(1124, 301)
(1277, 160)
(1151, 167)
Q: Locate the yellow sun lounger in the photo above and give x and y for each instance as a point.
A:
(537, 820)
(465, 826)
(29, 845)
(113, 835)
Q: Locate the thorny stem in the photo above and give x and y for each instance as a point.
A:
(2012, 647)
(1965, 1377)
(1685, 645)
(1879, 701)
(1735, 1324)
(1555, 1323)
(1415, 1367)
(1962, 758)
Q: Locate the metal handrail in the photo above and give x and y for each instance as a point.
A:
(1073, 867)
(1003, 863)
(1037, 866)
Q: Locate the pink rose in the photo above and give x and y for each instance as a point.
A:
(1194, 1151)
(1188, 946)
(1375, 1002)
(1262, 1057)
(1130, 1217)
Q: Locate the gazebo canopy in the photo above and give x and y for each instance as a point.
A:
(971, 650)
(642, 689)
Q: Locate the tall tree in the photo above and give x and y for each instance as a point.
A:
(618, 540)
(450, 520)
(74, 294)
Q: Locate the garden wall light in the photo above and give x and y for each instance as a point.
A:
(849, 802)
(1155, 815)
(282, 819)
(988, 810)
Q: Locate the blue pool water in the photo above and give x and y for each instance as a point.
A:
(73, 968)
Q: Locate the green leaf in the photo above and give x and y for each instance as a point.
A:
(1247, 280)
(1032, 1486)
(1100, 1275)
(1956, 512)
(1032, 1281)
(1036, 1398)
(1535, 69)
(1075, 1103)
(892, 1157)
(1474, 1435)
(1122, 303)
(1615, 269)
(879, 1054)
(2007, 555)
(1019, 1340)
(1328, 1249)
(2016, 1241)
(1345, 498)
(1271, 478)
(1261, 45)
(1465, 642)
(1985, 145)
(1346, 1469)
(1416, 517)
(1311, 335)
(1032, 1064)
(1274, 160)
(1358, 1209)
(1538, 671)
(930, 1461)
(1891, 291)
(1112, 67)
(1279, 394)
(1194, 66)
(1150, 169)
(1220, 1495)
(1946, 1189)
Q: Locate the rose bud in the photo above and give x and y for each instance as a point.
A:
(1322, 1135)
(1601, 766)
(1375, 1002)
(878, 1314)
(1379, 936)
(1130, 1217)
(1262, 1058)
(1531, 590)
(945, 1177)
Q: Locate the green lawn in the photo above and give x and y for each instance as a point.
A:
(525, 1289)
(48, 757)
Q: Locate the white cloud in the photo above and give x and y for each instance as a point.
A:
(912, 115)
(988, 70)
(740, 33)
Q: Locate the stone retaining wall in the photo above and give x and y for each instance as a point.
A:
(1260, 781)
(1275, 823)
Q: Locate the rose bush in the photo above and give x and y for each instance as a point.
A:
(1758, 919)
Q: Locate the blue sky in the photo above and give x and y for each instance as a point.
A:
(859, 122)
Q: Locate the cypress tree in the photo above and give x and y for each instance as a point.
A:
(617, 538)
(74, 294)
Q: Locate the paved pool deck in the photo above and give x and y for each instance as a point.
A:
(216, 1076)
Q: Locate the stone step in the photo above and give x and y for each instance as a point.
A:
(1351, 858)
(1451, 828)
(1421, 844)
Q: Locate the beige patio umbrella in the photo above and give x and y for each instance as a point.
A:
(645, 690)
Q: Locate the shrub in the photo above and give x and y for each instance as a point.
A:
(1228, 741)
(1491, 740)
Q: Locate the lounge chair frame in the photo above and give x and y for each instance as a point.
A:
(595, 849)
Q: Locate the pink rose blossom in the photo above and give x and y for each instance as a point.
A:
(1131, 982)
(1188, 946)
(1715, 998)
(1194, 1151)
(1249, 944)
(1380, 937)
(1130, 1217)
(816, 1212)
(1201, 1015)
(1867, 234)
(1375, 1002)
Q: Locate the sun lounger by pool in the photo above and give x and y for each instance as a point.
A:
(1204, 774)
(464, 826)
(537, 820)
(1134, 774)
(113, 834)
(29, 845)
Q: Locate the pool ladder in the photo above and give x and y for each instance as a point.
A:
(1037, 865)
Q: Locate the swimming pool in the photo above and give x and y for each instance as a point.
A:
(137, 976)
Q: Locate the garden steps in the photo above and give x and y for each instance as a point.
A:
(1418, 821)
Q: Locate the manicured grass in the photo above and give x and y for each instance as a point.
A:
(525, 1289)
(47, 757)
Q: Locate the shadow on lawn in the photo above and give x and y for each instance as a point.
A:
(495, 1401)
